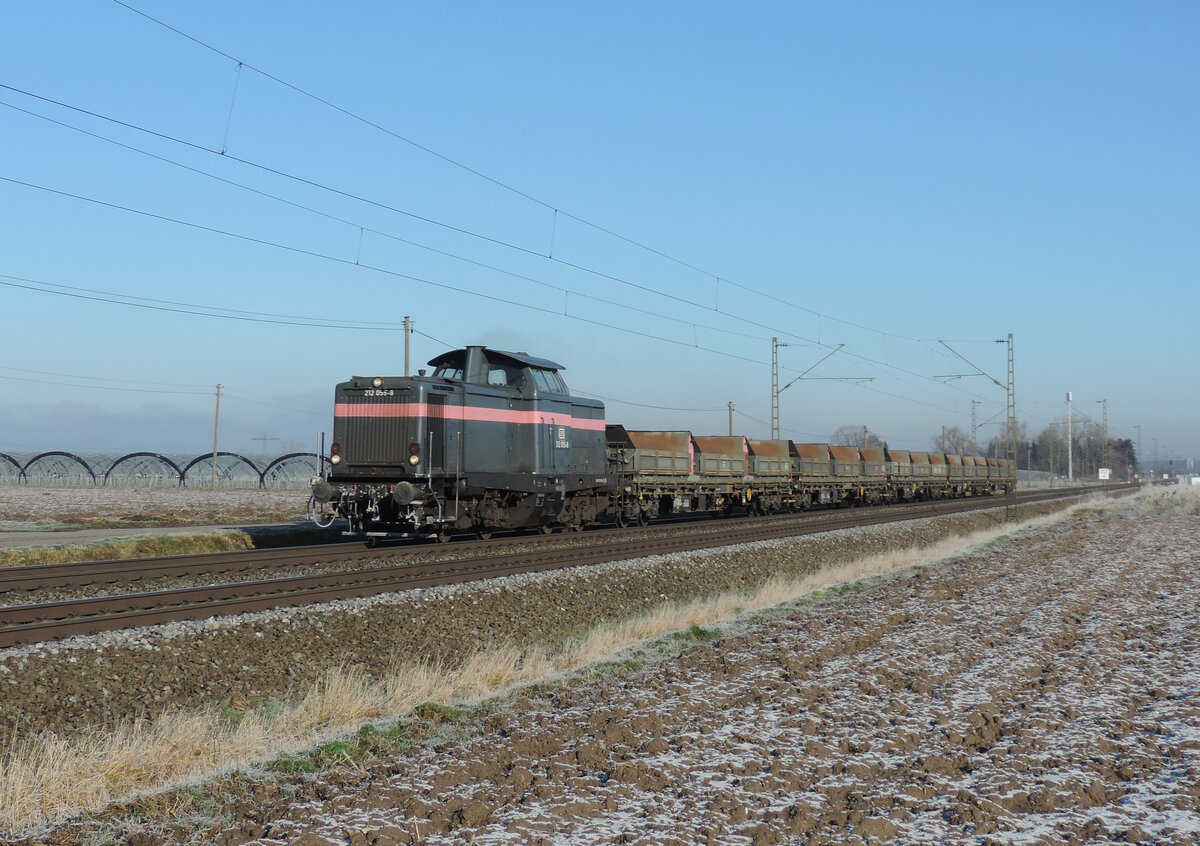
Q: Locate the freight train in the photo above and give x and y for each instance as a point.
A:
(494, 440)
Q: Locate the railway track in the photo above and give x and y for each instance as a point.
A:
(404, 568)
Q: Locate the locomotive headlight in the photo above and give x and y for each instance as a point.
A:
(335, 459)
(414, 459)
(377, 381)
(414, 454)
(335, 453)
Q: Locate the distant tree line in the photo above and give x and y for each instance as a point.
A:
(1090, 449)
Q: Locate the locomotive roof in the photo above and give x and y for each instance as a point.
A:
(519, 358)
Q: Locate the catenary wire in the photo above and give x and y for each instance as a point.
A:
(242, 63)
(865, 359)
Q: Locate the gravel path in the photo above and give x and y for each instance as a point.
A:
(1043, 691)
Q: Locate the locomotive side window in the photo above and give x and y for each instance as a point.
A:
(505, 376)
(448, 372)
(549, 381)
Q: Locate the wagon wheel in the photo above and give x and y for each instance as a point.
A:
(643, 518)
(443, 534)
(621, 520)
(483, 532)
(546, 529)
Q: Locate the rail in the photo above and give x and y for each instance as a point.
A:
(23, 624)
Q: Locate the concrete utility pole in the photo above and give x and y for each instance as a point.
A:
(731, 418)
(1070, 461)
(216, 429)
(1140, 457)
(407, 332)
(1104, 431)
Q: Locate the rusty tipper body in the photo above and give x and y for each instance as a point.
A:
(490, 440)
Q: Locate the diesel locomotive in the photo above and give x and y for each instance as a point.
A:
(495, 440)
(489, 440)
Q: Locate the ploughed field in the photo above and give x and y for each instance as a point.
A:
(1044, 689)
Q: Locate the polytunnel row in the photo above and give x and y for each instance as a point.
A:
(225, 469)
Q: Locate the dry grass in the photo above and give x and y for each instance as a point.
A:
(47, 777)
(145, 547)
(1169, 501)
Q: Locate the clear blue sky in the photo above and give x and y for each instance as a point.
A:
(646, 193)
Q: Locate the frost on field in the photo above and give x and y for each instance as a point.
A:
(1158, 501)
(83, 504)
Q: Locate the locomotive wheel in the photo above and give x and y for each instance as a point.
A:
(483, 532)
(443, 534)
(546, 529)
